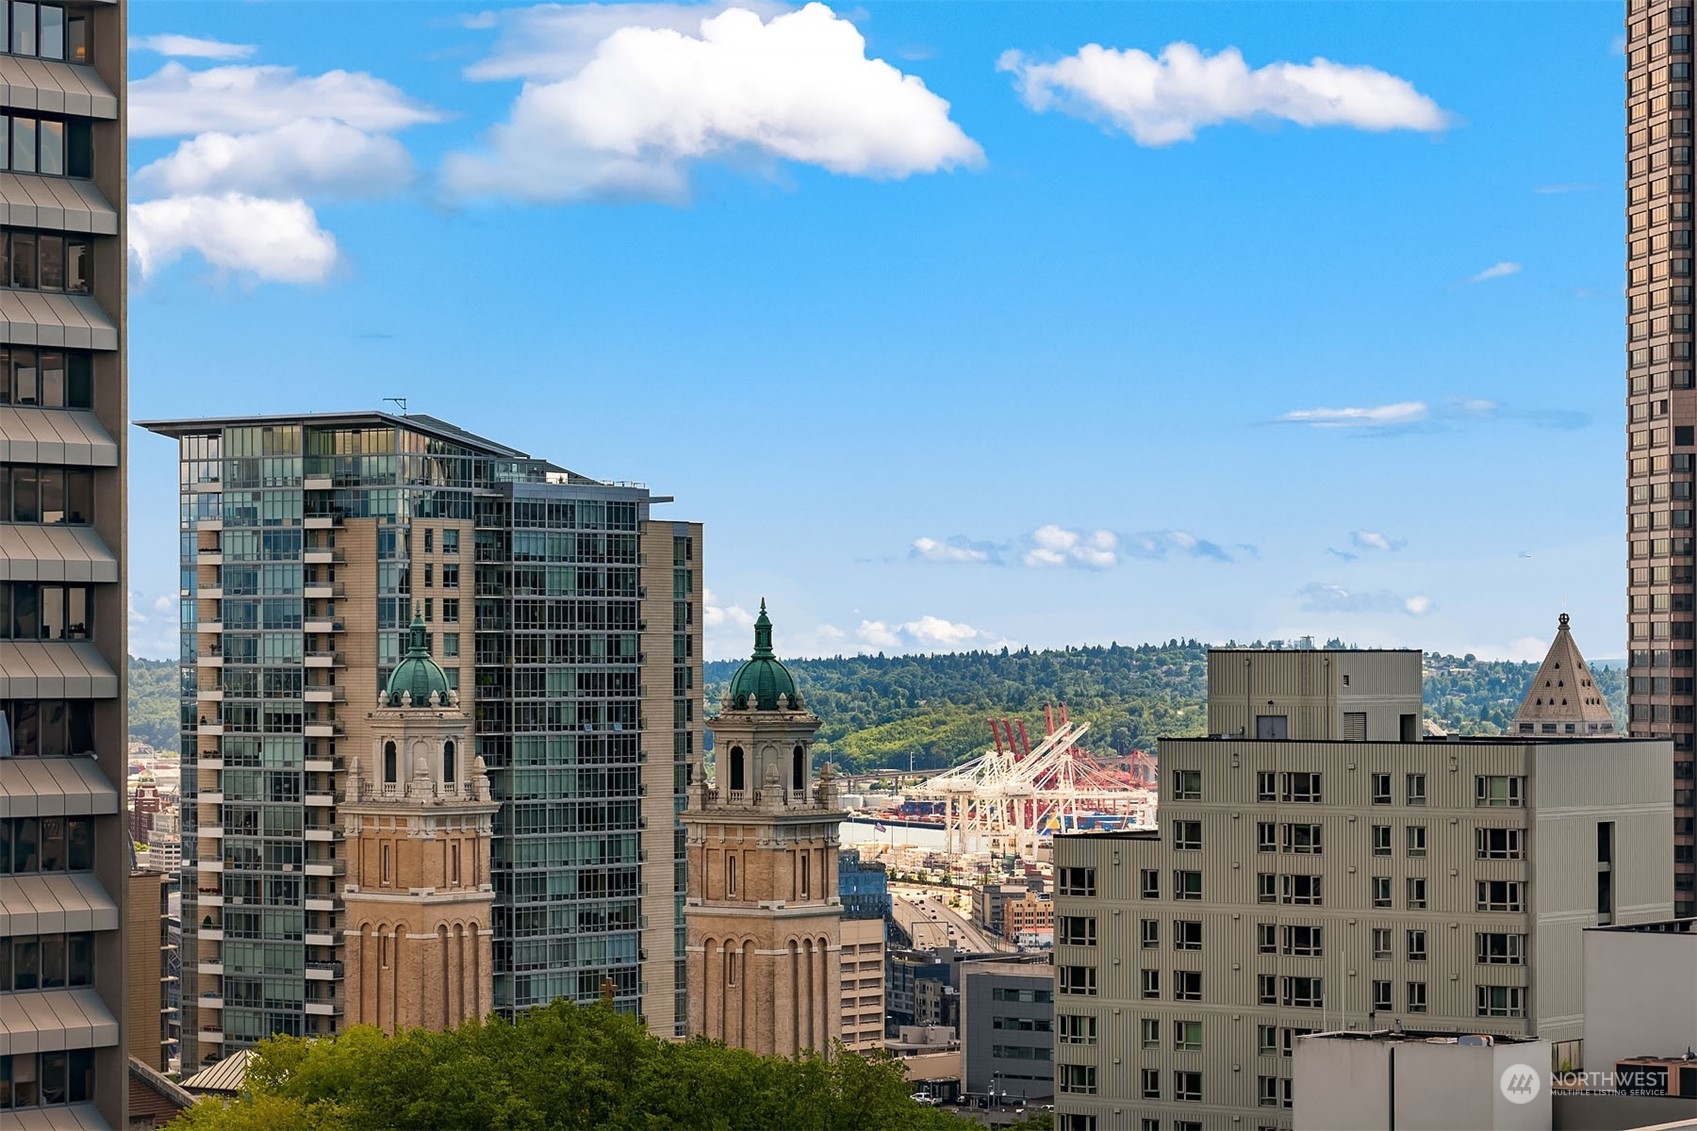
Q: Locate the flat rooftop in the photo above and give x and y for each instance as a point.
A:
(1322, 651)
(1436, 740)
(417, 422)
(1421, 1036)
(1659, 927)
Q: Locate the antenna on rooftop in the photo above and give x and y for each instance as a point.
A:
(398, 402)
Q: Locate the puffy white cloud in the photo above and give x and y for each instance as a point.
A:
(630, 119)
(1369, 416)
(1329, 597)
(273, 240)
(925, 634)
(1374, 540)
(153, 626)
(310, 157)
(1054, 545)
(190, 47)
(1496, 271)
(956, 549)
(175, 101)
(1166, 99)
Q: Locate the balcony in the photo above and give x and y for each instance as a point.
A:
(215, 762)
(319, 799)
(323, 590)
(316, 832)
(322, 903)
(213, 831)
(322, 521)
(209, 524)
(209, 660)
(320, 938)
(323, 971)
(209, 695)
(320, 625)
(326, 867)
(211, 899)
(210, 865)
(314, 482)
(325, 695)
(324, 1008)
(212, 797)
(210, 628)
(212, 1000)
(210, 934)
(319, 555)
(320, 765)
(216, 968)
(323, 659)
(210, 729)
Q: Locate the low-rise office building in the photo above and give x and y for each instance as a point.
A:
(1337, 873)
(1420, 1080)
(1007, 1028)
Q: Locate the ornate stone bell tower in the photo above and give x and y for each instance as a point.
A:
(418, 820)
(763, 917)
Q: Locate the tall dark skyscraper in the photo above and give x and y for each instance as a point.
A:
(1661, 404)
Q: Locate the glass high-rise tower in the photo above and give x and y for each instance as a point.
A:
(1661, 400)
(564, 614)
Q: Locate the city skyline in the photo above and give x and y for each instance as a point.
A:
(877, 280)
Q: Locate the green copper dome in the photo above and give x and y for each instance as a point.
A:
(763, 684)
(417, 672)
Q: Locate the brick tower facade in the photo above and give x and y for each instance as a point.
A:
(418, 896)
(763, 917)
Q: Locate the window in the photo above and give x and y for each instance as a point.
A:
(1381, 942)
(1266, 887)
(730, 877)
(450, 644)
(1500, 949)
(1187, 1036)
(1302, 789)
(1303, 942)
(1416, 840)
(1077, 930)
(450, 575)
(1417, 946)
(1187, 985)
(1151, 884)
(451, 611)
(1416, 997)
(1187, 1125)
(1151, 1083)
(1076, 1029)
(450, 541)
(1149, 1125)
(1150, 1029)
(1078, 980)
(1497, 844)
(1072, 1121)
(1381, 789)
(1266, 836)
(1266, 786)
(1078, 881)
(1498, 895)
(1415, 786)
(1301, 993)
(1151, 983)
(1381, 891)
(1267, 1040)
(1267, 1091)
(1187, 885)
(1416, 893)
(49, 728)
(35, 378)
(1078, 1079)
(1499, 791)
(1266, 989)
(1187, 785)
(46, 496)
(1187, 1085)
(1151, 933)
(1300, 890)
(1381, 840)
(1266, 938)
(46, 261)
(1187, 934)
(46, 1079)
(32, 611)
(1501, 1001)
(1187, 835)
(1303, 840)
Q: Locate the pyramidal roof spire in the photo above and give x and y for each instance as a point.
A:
(1563, 701)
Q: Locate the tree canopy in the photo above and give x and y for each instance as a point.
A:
(561, 1066)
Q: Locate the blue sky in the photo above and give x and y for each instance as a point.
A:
(953, 329)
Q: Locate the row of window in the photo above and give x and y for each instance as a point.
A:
(33, 611)
(50, 728)
(46, 378)
(46, 261)
(46, 1079)
(29, 845)
(46, 145)
(49, 496)
(45, 31)
(1299, 788)
(47, 962)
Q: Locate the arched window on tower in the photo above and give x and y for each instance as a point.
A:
(737, 768)
(448, 754)
(390, 760)
(798, 769)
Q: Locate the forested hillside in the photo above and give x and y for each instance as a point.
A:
(879, 710)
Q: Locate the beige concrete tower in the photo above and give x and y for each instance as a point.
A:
(418, 897)
(1563, 700)
(763, 917)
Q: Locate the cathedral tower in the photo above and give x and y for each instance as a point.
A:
(764, 921)
(418, 895)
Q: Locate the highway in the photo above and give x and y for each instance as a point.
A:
(932, 924)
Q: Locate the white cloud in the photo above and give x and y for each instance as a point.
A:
(273, 240)
(190, 47)
(1496, 271)
(1054, 545)
(1370, 416)
(1329, 597)
(630, 119)
(954, 550)
(1374, 540)
(925, 634)
(310, 157)
(1166, 99)
(153, 633)
(175, 101)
